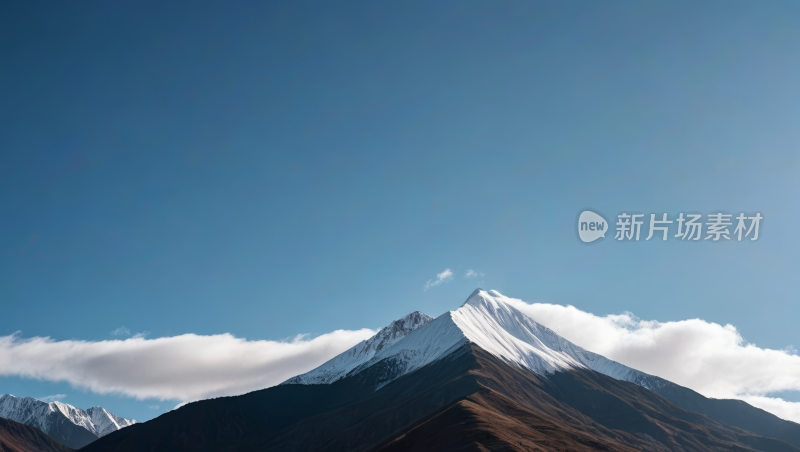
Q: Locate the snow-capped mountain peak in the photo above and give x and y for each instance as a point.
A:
(363, 352)
(500, 329)
(49, 417)
(487, 320)
(105, 421)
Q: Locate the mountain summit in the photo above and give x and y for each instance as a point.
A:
(486, 320)
(484, 377)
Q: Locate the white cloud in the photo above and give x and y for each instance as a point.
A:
(186, 368)
(712, 359)
(141, 335)
(154, 407)
(472, 274)
(121, 331)
(441, 278)
(52, 398)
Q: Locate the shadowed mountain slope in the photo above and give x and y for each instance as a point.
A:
(16, 437)
(732, 412)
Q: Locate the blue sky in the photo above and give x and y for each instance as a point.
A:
(271, 170)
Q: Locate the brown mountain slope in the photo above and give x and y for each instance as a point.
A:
(16, 437)
(469, 401)
(515, 411)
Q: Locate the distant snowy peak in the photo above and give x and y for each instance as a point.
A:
(28, 410)
(105, 421)
(363, 352)
(487, 320)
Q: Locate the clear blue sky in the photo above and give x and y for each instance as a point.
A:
(271, 169)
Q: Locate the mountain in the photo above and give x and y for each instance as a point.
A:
(488, 321)
(70, 426)
(482, 377)
(16, 437)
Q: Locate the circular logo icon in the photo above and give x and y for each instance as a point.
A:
(591, 226)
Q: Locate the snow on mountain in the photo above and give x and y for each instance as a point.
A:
(45, 416)
(489, 322)
(341, 365)
(106, 422)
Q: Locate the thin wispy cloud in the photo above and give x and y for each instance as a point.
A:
(712, 359)
(154, 407)
(187, 367)
(441, 278)
(472, 274)
(121, 331)
(53, 398)
(141, 335)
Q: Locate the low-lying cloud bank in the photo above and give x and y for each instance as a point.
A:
(712, 359)
(187, 367)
